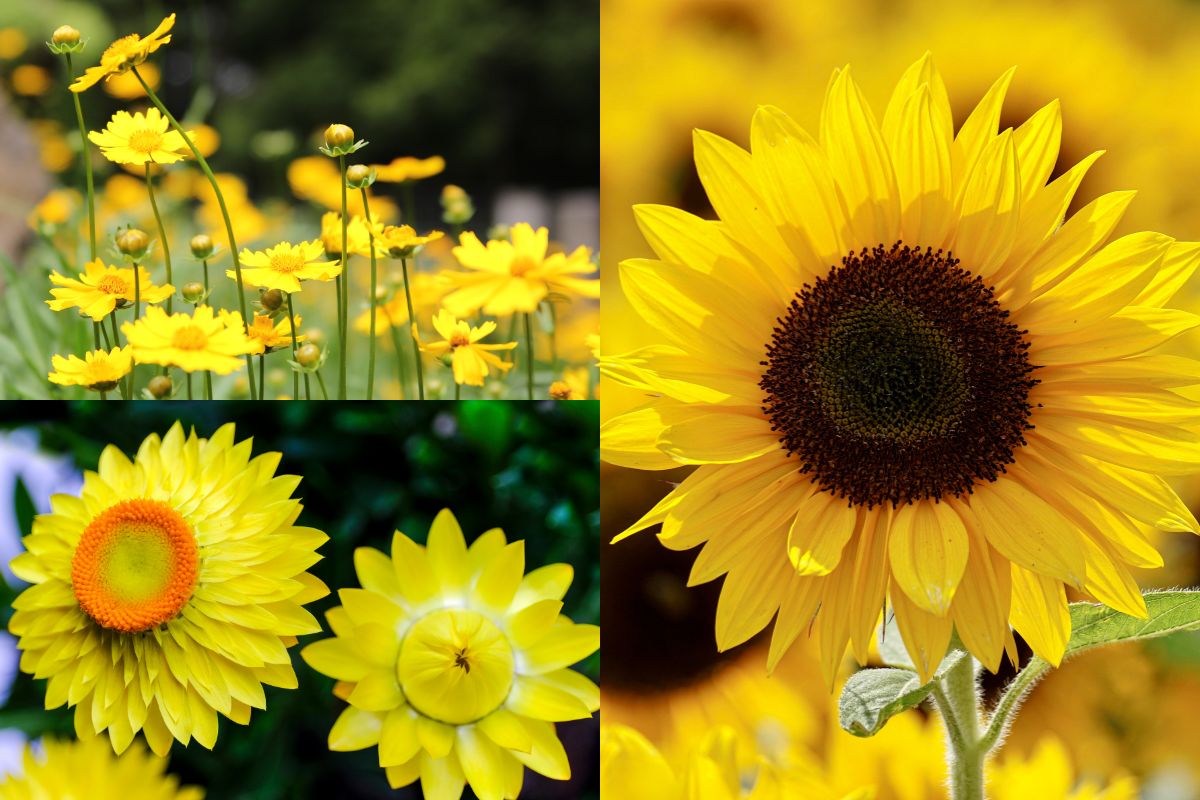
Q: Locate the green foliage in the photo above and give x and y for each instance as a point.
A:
(368, 469)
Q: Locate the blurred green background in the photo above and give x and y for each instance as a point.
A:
(368, 468)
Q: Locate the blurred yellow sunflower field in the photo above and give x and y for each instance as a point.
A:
(817, 584)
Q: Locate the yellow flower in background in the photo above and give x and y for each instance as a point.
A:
(98, 370)
(124, 53)
(139, 138)
(399, 241)
(507, 277)
(197, 342)
(469, 357)
(316, 178)
(56, 208)
(407, 168)
(358, 241)
(125, 85)
(30, 80)
(575, 385)
(593, 344)
(1048, 774)
(249, 223)
(168, 591)
(123, 193)
(905, 311)
(267, 335)
(55, 768)
(285, 265)
(12, 42)
(456, 664)
(54, 150)
(427, 291)
(101, 288)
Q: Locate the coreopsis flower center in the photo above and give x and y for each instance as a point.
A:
(189, 337)
(455, 666)
(135, 566)
(121, 48)
(145, 140)
(112, 284)
(898, 377)
(286, 262)
(460, 339)
(522, 265)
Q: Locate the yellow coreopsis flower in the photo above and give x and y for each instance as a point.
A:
(283, 266)
(903, 371)
(507, 277)
(139, 139)
(407, 168)
(126, 52)
(267, 335)
(97, 370)
(196, 342)
(455, 664)
(56, 768)
(55, 209)
(168, 591)
(100, 289)
(573, 386)
(427, 292)
(399, 241)
(358, 241)
(126, 86)
(468, 357)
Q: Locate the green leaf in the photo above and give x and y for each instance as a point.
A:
(873, 696)
(1094, 625)
(23, 508)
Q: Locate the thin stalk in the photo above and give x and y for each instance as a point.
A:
(374, 299)
(204, 263)
(457, 391)
(189, 385)
(162, 236)
(207, 385)
(553, 337)
(96, 333)
(127, 386)
(262, 372)
(529, 352)
(87, 164)
(343, 287)
(212, 179)
(401, 372)
(104, 334)
(412, 320)
(321, 383)
(296, 375)
(104, 395)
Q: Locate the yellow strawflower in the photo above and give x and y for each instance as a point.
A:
(126, 52)
(101, 288)
(196, 342)
(168, 591)
(456, 664)
(469, 358)
(98, 370)
(56, 769)
(139, 139)
(285, 265)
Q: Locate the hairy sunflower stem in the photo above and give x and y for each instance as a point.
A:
(374, 300)
(957, 698)
(1014, 693)
(343, 288)
(529, 353)
(412, 321)
(212, 180)
(162, 235)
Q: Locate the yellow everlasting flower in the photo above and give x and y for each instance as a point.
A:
(267, 335)
(139, 138)
(468, 358)
(126, 52)
(507, 277)
(283, 266)
(87, 768)
(169, 590)
(900, 370)
(97, 370)
(197, 342)
(455, 664)
(407, 168)
(399, 241)
(101, 289)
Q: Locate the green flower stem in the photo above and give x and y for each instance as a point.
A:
(127, 384)
(162, 236)
(262, 373)
(457, 391)
(412, 320)
(189, 385)
(96, 333)
(104, 335)
(212, 179)
(957, 699)
(87, 162)
(204, 264)
(343, 287)
(104, 395)
(401, 371)
(529, 352)
(207, 385)
(321, 383)
(374, 300)
(553, 337)
(296, 375)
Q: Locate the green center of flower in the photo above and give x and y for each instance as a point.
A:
(898, 377)
(455, 666)
(189, 337)
(145, 140)
(112, 284)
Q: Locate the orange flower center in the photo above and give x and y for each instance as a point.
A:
(135, 566)
(189, 337)
(459, 339)
(286, 262)
(521, 265)
(121, 49)
(112, 284)
(146, 140)
(560, 391)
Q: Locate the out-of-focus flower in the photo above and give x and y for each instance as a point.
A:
(98, 370)
(575, 385)
(12, 43)
(125, 85)
(196, 342)
(427, 292)
(101, 288)
(457, 208)
(267, 335)
(316, 179)
(55, 209)
(469, 357)
(55, 768)
(407, 168)
(1048, 773)
(249, 223)
(124, 53)
(357, 239)
(30, 80)
(56, 153)
(139, 139)
(400, 241)
(285, 265)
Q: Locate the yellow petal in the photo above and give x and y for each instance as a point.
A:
(355, 730)
(928, 549)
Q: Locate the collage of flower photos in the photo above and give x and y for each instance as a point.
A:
(893, 493)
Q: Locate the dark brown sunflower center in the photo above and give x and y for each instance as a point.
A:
(898, 377)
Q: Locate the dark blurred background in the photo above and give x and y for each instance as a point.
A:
(368, 468)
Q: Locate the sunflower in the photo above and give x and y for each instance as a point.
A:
(168, 591)
(124, 53)
(468, 357)
(407, 168)
(101, 289)
(283, 266)
(139, 139)
(905, 377)
(87, 768)
(97, 370)
(455, 665)
(505, 277)
(201, 341)
(267, 335)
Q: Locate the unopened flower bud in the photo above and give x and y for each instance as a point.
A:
(193, 292)
(308, 354)
(560, 391)
(338, 136)
(65, 34)
(272, 299)
(358, 175)
(202, 246)
(160, 386)
(133, 243)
